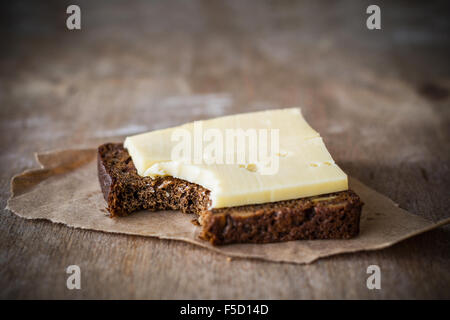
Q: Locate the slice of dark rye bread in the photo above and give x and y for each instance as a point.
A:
(330, 216)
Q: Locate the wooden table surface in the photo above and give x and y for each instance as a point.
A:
(379, 98)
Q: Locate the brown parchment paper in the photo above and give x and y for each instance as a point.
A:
(66, 190)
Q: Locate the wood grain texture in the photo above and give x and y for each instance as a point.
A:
(379, 98)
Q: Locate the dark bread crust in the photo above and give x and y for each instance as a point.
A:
(332, 216)
(125, 191)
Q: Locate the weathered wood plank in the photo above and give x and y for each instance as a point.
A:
(379, 98)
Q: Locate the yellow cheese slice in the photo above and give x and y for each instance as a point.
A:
(294, 162)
